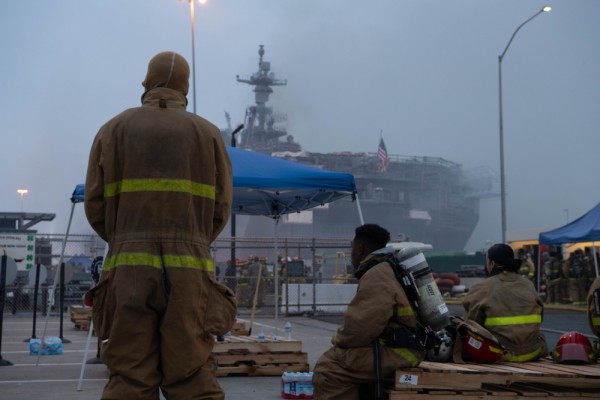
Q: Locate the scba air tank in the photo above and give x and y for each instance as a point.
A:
(431, 306)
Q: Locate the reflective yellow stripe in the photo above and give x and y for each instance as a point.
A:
(159, 185)
(404, 353)
(596, 321)
(404, 311)
(150, 260)
(514, 320)
(523, 357)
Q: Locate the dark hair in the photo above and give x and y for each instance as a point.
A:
(504, 256)
(372, 235)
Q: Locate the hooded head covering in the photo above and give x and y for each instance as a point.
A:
(169, 70)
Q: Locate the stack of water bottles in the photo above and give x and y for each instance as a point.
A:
(47, 347)
(297, 385)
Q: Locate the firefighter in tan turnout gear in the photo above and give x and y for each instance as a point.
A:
(379, 308)
(159, 191)
(508, 306)
(593, 304)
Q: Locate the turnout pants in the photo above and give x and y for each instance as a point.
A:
(339, 372)
(151, 327)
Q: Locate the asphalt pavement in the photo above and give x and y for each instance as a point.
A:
(57, 377)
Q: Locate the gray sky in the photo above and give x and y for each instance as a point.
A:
(425, 72)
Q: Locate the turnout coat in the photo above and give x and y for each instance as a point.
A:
(159, 191)
(508, 306)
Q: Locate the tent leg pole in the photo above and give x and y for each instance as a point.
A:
(595, 258)
(89, 337)
(362, 221)
(276, 280)
(85, 354)
(53, 291)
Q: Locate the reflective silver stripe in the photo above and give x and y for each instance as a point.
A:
(414, 260)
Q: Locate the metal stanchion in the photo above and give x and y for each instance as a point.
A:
(3, 267)
(97, 359)
(35, 297)
(62, 302)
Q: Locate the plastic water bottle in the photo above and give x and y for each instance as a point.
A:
(261, 335)
(288, 331)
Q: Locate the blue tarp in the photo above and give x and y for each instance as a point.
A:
(584, 229)
(269, 186)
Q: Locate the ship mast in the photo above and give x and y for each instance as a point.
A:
(260, 133)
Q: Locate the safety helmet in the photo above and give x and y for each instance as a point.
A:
(442, 351)
(479, 344)
(574, 348)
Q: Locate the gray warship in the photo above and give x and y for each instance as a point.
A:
(417, 198)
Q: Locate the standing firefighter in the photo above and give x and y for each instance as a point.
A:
(159, 190)
(527, 268)
(578, 274)
(554, 275)
(593, 303)
(379, 310)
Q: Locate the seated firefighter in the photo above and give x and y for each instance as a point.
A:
(593, 303)
(379, 310)
(508, 306)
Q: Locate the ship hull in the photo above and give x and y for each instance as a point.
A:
(339, 219)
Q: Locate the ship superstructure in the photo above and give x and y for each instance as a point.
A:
(425, 199)
(263, 131)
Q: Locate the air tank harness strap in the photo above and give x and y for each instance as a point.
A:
(406, 281)
(402, 337)
(377, 368)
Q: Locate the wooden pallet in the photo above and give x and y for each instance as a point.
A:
(541, 379)
(247, 355)
(239, 329)
(81, 316)
(251, 344)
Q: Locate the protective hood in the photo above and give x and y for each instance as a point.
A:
(169, 70)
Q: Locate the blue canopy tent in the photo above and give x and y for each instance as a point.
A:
(269, 186)
(584, 229)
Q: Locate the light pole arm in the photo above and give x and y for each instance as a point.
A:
(515, 33)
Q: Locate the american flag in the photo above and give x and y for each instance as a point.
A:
(382, 157)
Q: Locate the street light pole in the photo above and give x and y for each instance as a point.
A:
(192, 19)
(501, 122)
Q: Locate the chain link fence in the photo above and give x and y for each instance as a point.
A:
(295, 275)
(32, 289)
